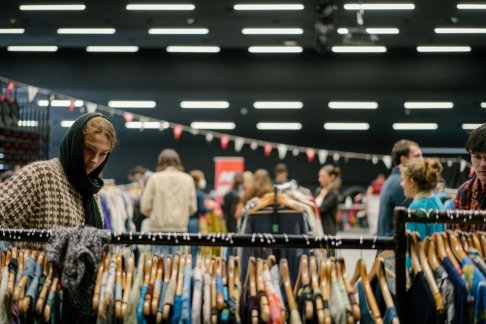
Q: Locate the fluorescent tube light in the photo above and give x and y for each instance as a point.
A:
(358, 49)
(346, 126)
(279, 126)
(268, 6)
(447, 30)
(59, 103)
(204, 104)
(470, 126)
(375, 31)
(272, 31)
(278, 105)
(471, 6)
(32, 48)
(213, 125)
(178, 31)
(144, 125)
(193, 49)
(28, 123)
(53, 7)
(379, 6)
(67, 123)
(87, 31)
(112, 49)
(275, 49)
(12, 30)
(352, 104)
(131, 104)
(159, 6)
(443, 49)
(428, 105)
(415, 126)
(483, 104)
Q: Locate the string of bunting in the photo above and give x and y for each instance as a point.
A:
(145, 122)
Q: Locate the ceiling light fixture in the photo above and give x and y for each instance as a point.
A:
(352, 104)
(32, 48)
(131, 104)
(67, 123)
(464, 30)
(278, 105)
(346, 126)
(272, 31)
(279, 126)
(269, 6)
(383, 31)
(471, 6)
(87, 31)
(415, 126)
(379, 6)
(59, 103)
(470, 126)
(275, 49)
(193, 49)
(178, 31)
(144, 125)
(483, 104)
(428, 105)
(12, 30)
(443, 49)
(358, 49)
(204, 104)
(28, 123)
(159, 6)
(53, 7)
(112, 49)
(213, 125)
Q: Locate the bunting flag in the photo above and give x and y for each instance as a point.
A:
(311, 153)
(322, 154)
(72, 105)
(374, 159)
(10, 90)
(128, 116)
(462, 165)
(449, 163)
(239, 142)
(282, 151)
(177, 131)
(295, 151)
(209, 137)
(254, 145)
(31, 93)
(387, 161)
(267, 149)
(224, 141)
(91, 107)
(335, 157)
(194, 131)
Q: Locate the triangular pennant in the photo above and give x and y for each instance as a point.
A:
(91, 107)
(462, 165)
(282, 151)
(449, 163)
(374, 159)
(295, 151)
(387, 161)
(194, 131)
(72, 105)
(177, 131)
(336, 157)
(322, 154)
(254, 145)
(239, 142)
(224, 141)
(209, 137)
(267, 149)
(311, 153)
(128, 116)
(32, 92)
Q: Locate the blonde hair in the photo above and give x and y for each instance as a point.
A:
(425, 173)
(263, 183)
(197, 175)
(101, 125)
(335, 172)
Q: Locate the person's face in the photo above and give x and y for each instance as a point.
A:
(409, 187)
(248, 182)
(414, 153)
(478, 161)
(324, 179)
(281, 177)
(96, 149)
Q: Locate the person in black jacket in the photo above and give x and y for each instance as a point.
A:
(231, 200)
(327, 197)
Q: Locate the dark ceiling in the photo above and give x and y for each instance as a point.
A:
(314, 77)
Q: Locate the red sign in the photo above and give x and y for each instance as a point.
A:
(224, 172)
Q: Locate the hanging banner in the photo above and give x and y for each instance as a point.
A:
(225, 169)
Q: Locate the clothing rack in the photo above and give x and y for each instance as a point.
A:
(401, 217)
(219, 239)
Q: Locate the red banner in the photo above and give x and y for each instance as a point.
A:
(224, 172)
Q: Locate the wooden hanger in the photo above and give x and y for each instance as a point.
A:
(158, 278)
(264, 305)
(19, 289)
(360, 272)
(47, 308)
(167, 276)
(219, 294)
(431, 253)
(477, 244)
(250, 281)
(385, 290)
(439, 245)
(316, 290)
(469, 241)
(482, 239)
(174, 275)
(285, 277)
(118, 283)
(148, 296)
(269, 199)
(214, 302)
(463, 240)
(43, 293)
(99, 278)
(412, 248)
(127, 287)
(349, 289)
(456, 246)
(12, 275)
(24, 304)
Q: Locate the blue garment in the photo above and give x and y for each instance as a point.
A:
(390, 315)
(177, 309)
(460, 293)
(480, 304)
(201, 208)
(391, 196)
(364, 308)
(106, 212)
(186, 296)
(193, 227)
(426, 204)
(140, 314)
(473, 277)
(160, 306)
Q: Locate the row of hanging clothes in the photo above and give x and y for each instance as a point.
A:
(117, 205)
(446, 277)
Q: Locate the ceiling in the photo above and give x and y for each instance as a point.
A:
(315, 76)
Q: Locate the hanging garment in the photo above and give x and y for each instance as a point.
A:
(460, 292)
(421, 304)
(447, 291)
(366, 315)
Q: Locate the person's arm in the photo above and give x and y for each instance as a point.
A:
(329, 202)
(18, 199)
(192, 198)
(147, 200)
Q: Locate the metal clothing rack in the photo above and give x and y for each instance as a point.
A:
(401, 217)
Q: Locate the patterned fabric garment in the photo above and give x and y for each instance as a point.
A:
(470, 196)
(447, 291)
